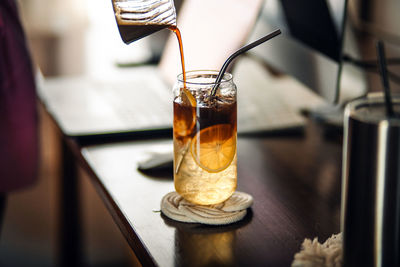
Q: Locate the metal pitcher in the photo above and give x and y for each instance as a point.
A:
(139, 18)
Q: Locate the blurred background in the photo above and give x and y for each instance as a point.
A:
(78, 37)
(71, 37)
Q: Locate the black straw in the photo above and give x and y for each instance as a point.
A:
(239, 52)
(384, 78)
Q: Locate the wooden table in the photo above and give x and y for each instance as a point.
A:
(295, 182)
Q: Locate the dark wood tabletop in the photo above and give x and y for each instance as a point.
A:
(295, 182)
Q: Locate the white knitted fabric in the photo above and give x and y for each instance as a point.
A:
(315, 254)
(232, 210)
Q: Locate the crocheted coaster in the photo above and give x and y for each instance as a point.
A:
(232, 210)
(315, 254)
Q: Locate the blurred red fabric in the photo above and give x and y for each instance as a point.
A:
(19, 154)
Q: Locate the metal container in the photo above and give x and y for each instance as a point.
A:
(371, 184)
(139, 18)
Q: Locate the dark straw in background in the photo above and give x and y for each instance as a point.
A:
(384, 78)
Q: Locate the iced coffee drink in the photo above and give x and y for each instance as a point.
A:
(204, 128)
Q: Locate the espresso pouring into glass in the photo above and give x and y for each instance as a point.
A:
(204, 124)
(140, 18)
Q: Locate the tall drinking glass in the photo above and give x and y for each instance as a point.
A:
(205, 134)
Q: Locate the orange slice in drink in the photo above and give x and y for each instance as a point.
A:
(185, 114)
(214, 147)
(187, 97)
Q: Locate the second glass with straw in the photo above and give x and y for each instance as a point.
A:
(371, 172)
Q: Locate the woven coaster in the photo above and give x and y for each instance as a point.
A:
(315, 254)
(232, 210)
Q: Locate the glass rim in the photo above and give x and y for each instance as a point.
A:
(371, 100)
(225, 79)
(375, 98)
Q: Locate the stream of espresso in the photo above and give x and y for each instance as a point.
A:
(177, 32)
